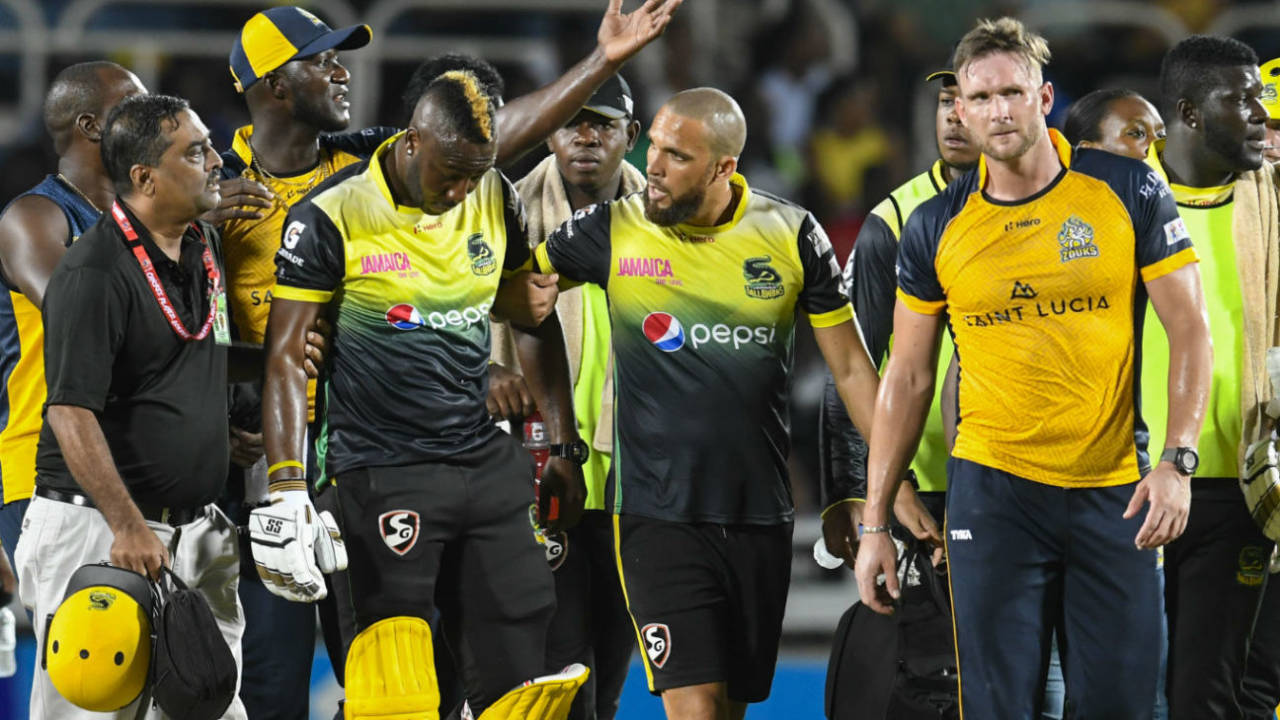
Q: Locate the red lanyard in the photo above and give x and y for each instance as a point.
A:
(153, 280)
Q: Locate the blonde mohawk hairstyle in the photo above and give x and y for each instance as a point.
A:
(1005, 35)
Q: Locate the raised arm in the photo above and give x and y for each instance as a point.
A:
(1178, 300)
(530, 119)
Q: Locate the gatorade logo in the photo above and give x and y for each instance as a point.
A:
(399, 529)
(657, 643)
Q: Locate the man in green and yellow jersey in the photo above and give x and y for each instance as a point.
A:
(871, 275)
(1215, 572)
(704, 276)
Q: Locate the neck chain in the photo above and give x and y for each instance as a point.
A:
(317, 176)
(67, 181)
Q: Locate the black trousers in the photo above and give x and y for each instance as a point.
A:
(1261, 691)
(1214, 577)
(454, 536)
(591, 625)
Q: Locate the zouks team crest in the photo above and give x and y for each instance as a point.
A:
(1076, 240)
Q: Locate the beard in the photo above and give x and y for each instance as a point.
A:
(682, 208)
(320, 113)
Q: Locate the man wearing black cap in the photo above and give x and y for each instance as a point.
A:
(591, 625)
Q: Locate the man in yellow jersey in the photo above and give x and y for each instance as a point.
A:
(872, 282)
(285, 62)
(1038, 259)
(1210, 97)
(405, 253)
(704, 277)
(591, 625)
(36, 229)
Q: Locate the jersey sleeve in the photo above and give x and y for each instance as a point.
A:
(1161, 240)
(310, 264)
(872, 279)
(825, 296)
(518, 256)
(582, 248)
(918, 285)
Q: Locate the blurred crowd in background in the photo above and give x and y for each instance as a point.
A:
(837, 109)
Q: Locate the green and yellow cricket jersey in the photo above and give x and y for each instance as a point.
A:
(409, 297)
(703, 322)
(1207, 213)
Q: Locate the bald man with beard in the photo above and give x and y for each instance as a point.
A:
(704, 276)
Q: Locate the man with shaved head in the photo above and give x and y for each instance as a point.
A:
(35, 231)
(704, 276)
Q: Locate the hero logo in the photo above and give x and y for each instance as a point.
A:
(657, 643)
(667, 334)
(406, 317)
(399, 529)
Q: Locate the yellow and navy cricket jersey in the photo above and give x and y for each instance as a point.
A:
(409, 297)
(1207, 213)
(1045, 306)
(703, 323)
(22, 381)
(251, 245)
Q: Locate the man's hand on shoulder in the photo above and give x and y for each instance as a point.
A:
(239, 197)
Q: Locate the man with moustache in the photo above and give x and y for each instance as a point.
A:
(134, 447)
(1211, 98)
(1038, 259)
(704, 276)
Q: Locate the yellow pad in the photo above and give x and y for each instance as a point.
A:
(391, 672)
(545, 698)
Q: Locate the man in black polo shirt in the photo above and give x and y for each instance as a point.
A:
(134, 446)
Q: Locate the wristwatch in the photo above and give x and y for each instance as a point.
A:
(576, 451)
(1184, 459)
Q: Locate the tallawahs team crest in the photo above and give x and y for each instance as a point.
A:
(657, 643)
(482, 260)
(763, 281)
(399, 530)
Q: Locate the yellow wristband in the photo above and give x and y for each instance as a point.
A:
(835, 504)
(285, 464)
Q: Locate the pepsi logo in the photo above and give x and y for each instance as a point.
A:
(404, 317)
(664, 331)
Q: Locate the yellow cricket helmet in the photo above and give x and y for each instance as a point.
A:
(1271, 88)
(98, 642)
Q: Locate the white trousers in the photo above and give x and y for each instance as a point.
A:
(57, 538)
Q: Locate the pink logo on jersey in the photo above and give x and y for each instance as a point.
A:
(384, 262)
(664, 331)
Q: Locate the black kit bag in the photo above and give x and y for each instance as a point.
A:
(900, 666)
(193, 669)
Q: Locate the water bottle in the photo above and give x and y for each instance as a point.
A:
(539, 446)
(8, 643)
(823, 556)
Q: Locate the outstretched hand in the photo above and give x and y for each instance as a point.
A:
(623, 35)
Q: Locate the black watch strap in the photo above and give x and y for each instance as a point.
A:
(576, 451)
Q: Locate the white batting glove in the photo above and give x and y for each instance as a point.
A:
(293, 544)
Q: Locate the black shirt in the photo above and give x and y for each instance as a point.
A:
(161, 401)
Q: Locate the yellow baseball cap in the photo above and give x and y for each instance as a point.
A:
(274, 37)
(1271, 88)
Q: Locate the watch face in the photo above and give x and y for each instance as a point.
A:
(1187, 460)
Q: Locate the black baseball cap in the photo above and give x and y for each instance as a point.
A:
(947, 75)
(612, 100)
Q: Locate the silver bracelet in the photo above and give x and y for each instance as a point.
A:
(870, 529)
